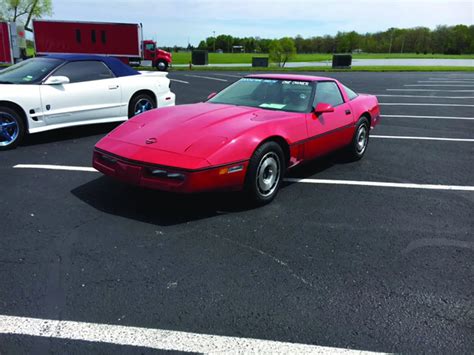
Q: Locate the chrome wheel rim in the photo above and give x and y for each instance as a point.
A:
(362, 139)
(161, 66)
(9, 129)
(143, 105)
(268, 174)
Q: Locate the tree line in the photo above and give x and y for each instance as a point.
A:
(457, 39)
(24, 11)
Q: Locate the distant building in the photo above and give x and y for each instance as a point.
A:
(358, 50)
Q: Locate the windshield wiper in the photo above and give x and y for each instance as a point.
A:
(5, 82)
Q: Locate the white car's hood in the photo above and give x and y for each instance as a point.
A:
(14, 91)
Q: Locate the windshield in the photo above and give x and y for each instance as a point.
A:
(30, 71)
(271, 94)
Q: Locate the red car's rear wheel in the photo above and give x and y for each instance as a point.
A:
(360, 140)
(265, 173)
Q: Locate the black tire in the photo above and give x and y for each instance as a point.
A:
(267, 160)
(358, 146)
(162, 65)
(15, 129)
(135, 101)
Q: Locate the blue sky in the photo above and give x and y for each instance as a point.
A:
(177, 21)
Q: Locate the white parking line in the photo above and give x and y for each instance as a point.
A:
(437, 85)
(423, 138)
(206, 77)
(452, 78)
(54, 167)
(437, 90)
(180, 81)
(229, 75)
(420, 104)
(312, 181)
(455, 81)
(434, 117)
(427, 96)
(382, 184)
(159, 339)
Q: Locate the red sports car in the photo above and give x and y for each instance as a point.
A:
(243, 138)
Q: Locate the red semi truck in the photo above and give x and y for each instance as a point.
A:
(121, 40)
(12, 43)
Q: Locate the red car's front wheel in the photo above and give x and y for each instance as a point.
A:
(265, 173)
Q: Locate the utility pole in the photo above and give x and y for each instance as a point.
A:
(214, 34)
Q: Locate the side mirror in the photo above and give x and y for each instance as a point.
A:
(211, 95)
(57, 80)
(323, 107)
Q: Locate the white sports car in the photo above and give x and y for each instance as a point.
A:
(59, 91)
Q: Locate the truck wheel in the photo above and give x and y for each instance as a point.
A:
(265, 173)
(12, 128)
(162, 65)
(140, 103)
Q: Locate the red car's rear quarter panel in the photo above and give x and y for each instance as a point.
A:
(364, 103)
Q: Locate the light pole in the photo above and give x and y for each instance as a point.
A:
(214, 34)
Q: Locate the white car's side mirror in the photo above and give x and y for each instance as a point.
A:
(57, 80)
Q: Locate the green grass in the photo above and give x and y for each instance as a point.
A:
(329, 69)
(229, 58)
(232, 58)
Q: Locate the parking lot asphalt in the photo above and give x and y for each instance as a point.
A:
(373, 268)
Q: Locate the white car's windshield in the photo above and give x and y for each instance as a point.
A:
(31, 71)
(271, 94)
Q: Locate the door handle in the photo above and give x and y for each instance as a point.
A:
(348, 112)
(113, 87)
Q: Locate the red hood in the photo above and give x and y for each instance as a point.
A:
(195, 130)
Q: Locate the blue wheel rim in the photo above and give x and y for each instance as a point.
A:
(9, 129)
(143, 105)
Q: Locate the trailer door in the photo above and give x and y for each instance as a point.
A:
(93, 94)
(5, 44)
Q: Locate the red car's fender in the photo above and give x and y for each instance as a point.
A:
(286, 131)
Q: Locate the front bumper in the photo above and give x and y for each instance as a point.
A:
(224, 177)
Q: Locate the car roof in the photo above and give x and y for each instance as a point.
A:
(289, 77)
(116, 66)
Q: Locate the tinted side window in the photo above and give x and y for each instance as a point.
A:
(84, 71)
(351, 94)
(328, 92)
(297, 97)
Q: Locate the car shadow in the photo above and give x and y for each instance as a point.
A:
(156, 207)
(165, 209)
(70, 133)
(319, 165)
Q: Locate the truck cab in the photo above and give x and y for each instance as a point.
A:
(160, 59)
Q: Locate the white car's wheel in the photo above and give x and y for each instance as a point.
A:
(12, 128)
(141, 103)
